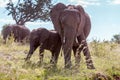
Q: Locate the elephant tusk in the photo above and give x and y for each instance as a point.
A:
(64, 39)
(76, 40)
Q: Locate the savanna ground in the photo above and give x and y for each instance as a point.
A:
(105, 55)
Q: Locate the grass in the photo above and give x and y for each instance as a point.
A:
(13, 67)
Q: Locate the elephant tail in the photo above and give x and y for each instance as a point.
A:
(76, 42)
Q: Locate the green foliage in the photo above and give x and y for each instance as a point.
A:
(116, 38)
(29, 10)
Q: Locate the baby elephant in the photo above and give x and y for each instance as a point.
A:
(49, 40)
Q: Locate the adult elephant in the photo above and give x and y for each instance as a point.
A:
(20, 32)
(73, 25)
(6, 32)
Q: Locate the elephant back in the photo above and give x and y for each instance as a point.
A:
(54, 39)
(21, 31)
(39, 35)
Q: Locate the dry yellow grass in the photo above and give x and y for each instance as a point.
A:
(12, 66)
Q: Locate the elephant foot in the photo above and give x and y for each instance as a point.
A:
(89, 63)
(54, 65)
(52, 61)
(28, 62)
(68, 65)
(26, 59)
(40, 62)
(77, 61)
(90, 66)
(77, 65)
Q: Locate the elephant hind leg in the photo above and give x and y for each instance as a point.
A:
(41, 54)
(77, 50)
(55, 55)
(86, 52)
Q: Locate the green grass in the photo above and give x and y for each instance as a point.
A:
(13, 67)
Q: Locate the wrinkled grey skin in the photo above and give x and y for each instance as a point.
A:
(19, 32)
(49, 40)
(73, 24)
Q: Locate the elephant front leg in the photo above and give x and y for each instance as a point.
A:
(29, 54)
(77, 50)
(32, 49)
(54, 59)
(55, 55)
(41, 55)
(86, 52)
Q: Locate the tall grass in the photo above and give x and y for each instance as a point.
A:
(13, 67)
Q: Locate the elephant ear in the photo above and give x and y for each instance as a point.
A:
(87, 25)
(82, 18)
(80, 9)
(85, 20)
(54, 15)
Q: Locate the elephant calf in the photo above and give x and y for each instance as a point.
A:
(49, 40)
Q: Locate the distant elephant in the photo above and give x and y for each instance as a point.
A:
(19, 32)
(73, 24)
(46, 39)
(7, 32)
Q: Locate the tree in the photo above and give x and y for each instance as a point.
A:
(116, 38)
(29, 10)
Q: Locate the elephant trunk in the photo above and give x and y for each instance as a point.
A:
(67, 43)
